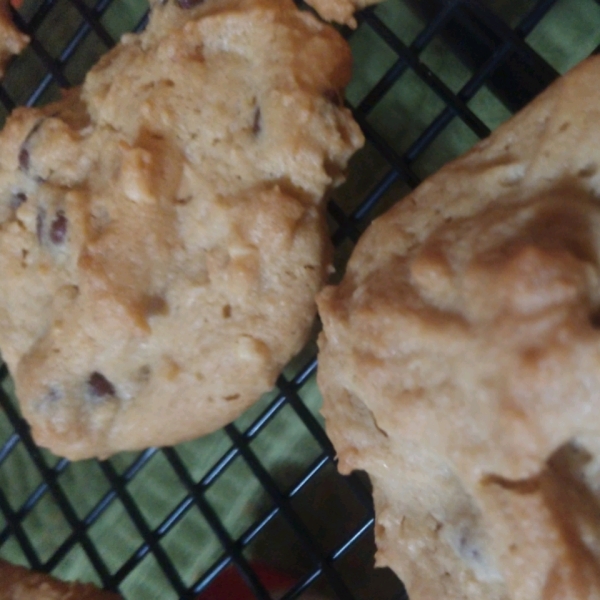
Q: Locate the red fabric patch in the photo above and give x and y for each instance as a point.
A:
(230, 585)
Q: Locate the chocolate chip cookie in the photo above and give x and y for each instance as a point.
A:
(18, 583)
(460, 362)
(340, 11)
(162, 230)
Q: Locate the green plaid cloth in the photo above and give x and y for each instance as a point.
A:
(569, 32)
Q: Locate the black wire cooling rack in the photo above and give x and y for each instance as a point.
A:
(432, 77)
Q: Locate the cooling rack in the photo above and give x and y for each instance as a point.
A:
(263, 496)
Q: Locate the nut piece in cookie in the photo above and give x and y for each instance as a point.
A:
(163, 227)
(460, 362)
(18, 583)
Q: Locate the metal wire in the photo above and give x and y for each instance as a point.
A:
(500, 59)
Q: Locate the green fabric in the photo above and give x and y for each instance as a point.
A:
(569, 33)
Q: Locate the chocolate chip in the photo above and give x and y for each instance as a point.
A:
(99, 386)
(24, 156)
(333, 96)
(53, 395)
(186, 4)
(257, 123)
(24, 159)
(17, 200)
(144, 373)
(155, 305)
(39, 224)
(58, 228)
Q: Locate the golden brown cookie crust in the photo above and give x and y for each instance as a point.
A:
(164, 226)
(461, 351)
(340, 11)
(19, 583)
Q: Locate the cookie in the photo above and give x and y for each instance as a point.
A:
(162, 230)
(12, 41)
(461, 352)
(340, 11)
(18, 583)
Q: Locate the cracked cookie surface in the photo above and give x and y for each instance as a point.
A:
(460, 363)
(162, 230)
